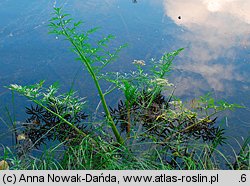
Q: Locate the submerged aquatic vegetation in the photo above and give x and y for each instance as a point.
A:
(36, 94)
(56, 117)
(153, 129)
(41, 125)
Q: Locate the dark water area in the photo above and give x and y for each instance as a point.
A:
(214, 33)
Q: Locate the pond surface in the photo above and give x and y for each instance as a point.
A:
(214, 33)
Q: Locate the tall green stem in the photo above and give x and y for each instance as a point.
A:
(86, 62)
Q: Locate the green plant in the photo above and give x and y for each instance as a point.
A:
(242, 161)
(136, 84)
(154, 129)
(57, 117)
(35, 94)
(168, 124)
(95, 58)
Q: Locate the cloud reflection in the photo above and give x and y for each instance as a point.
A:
(214, 29)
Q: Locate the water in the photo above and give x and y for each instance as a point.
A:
(214, 33)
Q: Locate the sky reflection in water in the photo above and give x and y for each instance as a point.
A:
(215, 29)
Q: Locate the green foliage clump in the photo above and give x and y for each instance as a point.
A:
(149, 129)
